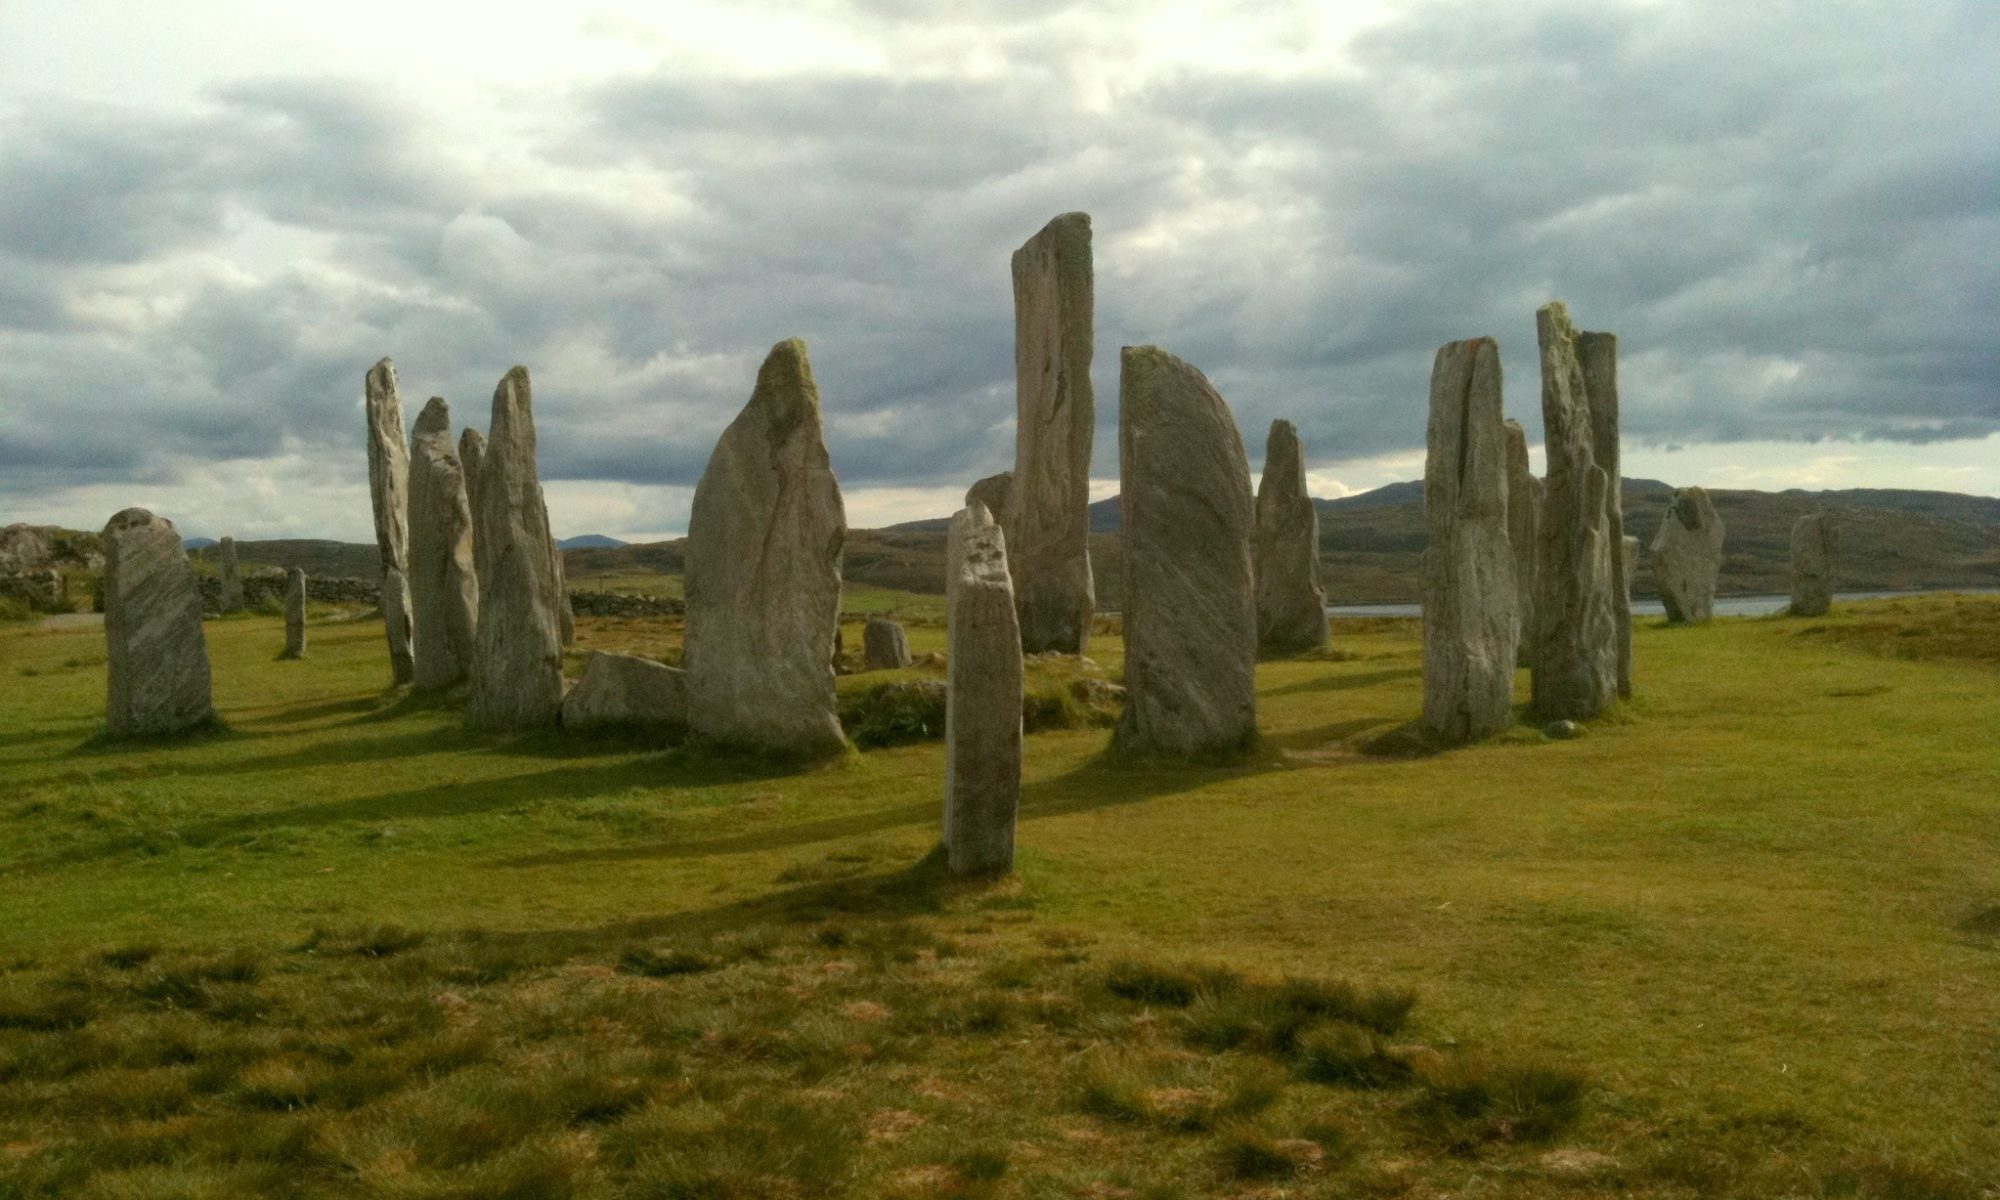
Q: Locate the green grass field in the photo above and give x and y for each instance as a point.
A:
(1741, 938)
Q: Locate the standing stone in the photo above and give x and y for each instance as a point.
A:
(763, 571)
(1629, 564)
(1597, 355)
(295, 614)
(884, 645)
(624, 689)
(1470, 598)
(1190, 604)
(156, 655)
(1524, 523)
(1687, 557)
(1291, 604)
(565, 614)
(389, 488)
(517, 680)
(471, 450)
(982, 722)
(232, 577)
(992, 492)
(1576, 637)
(1812, 566)
(1047, 516)
(444, 584)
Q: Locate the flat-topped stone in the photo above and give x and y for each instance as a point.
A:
(156, 655)
(982, 781)
(625, 689)
(1812, 566)
(884, 645)
(295, 614)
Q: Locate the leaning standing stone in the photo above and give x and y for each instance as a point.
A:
(1687, 557)
(517, 680)
(1597, 355)
(1471, 622)
(1190, 607)
(1524, 524)
(1291, 604)
(982, 724)
(444, 585)
(157, 658)
(389, 488)
(884, 645)
(1812, 566)
(763, 571)
(232, 577)
(1576, 637)
(1047, 518)
(624, 689)
(295, 614)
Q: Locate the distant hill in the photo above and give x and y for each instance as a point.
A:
(198, 543)
(589, 541)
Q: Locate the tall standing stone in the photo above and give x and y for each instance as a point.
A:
(1628, 570)
(1597, 355)
(884, 645)
(1190, 604)
(1291, 604)
(1576, 639)
(157, 658)
(295, 614)
(763, 571)
(389, 488)
(1047, 518)
(517, 680)
(1812, 566)
(1470, 599)
(1524, 525)
(1687, 557)
(444, 583)
(982, 724)
(471, 451)
(565, 615)
(232, 576)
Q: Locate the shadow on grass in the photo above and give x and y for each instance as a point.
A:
(1343, 683)
(1323, 737)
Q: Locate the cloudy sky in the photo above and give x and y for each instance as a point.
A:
(215, 216)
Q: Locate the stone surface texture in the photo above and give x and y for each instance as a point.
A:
(517, 680)
(624, 689)
(991, 492)
(295, 614)
(1291, 603)
(884, 645)
(1524, 526)
(1576, 640)
(1190, 604)
(1812, 566)
(471, 452)
(1597, 356)
(444, 584)
(982, 774)
(157, 658)
(1687, 557)
(389, 489)
(231, 574)
(1046, 515)
(763, 571)
(1471, 603)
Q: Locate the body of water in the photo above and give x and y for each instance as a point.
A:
(1725, 606)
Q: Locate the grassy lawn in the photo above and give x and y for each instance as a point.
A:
(1743, 937)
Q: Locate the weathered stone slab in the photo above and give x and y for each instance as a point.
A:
(517, 680)
(1470, 598)
(471, 451)
(982, 774)
(389, 489)
(1190, 605)
(624, 689)
(1291, 604)
(1687, 557)
(1524, 534)
(1629, 567)
(157, 658)
(1576, 638)
(1813, 547)
(1046, 517)
(1597, 355)
(565, 614)
(230, 574)
(295, 614)
(763, 571)
(444, 583)
(884, 645)
(992, 492)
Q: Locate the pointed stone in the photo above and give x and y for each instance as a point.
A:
(1687, 557)
(1046, 517)
(389, 488)
(232, 577)
(1470, 598)
(884, 645)
(991, 492)
(1812, 566)
(982, 774)
(624, 689)
(444, 584)
(1576, 639)
(157, 658)
(1524, 524)
(295, 614)
(517, 680)
(1190, 605)
(1597, 356)
(763, 571)
(1291, 604)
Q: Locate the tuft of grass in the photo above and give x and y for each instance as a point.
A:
(1174, 986)
(1477, 1105)
(657, 962)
